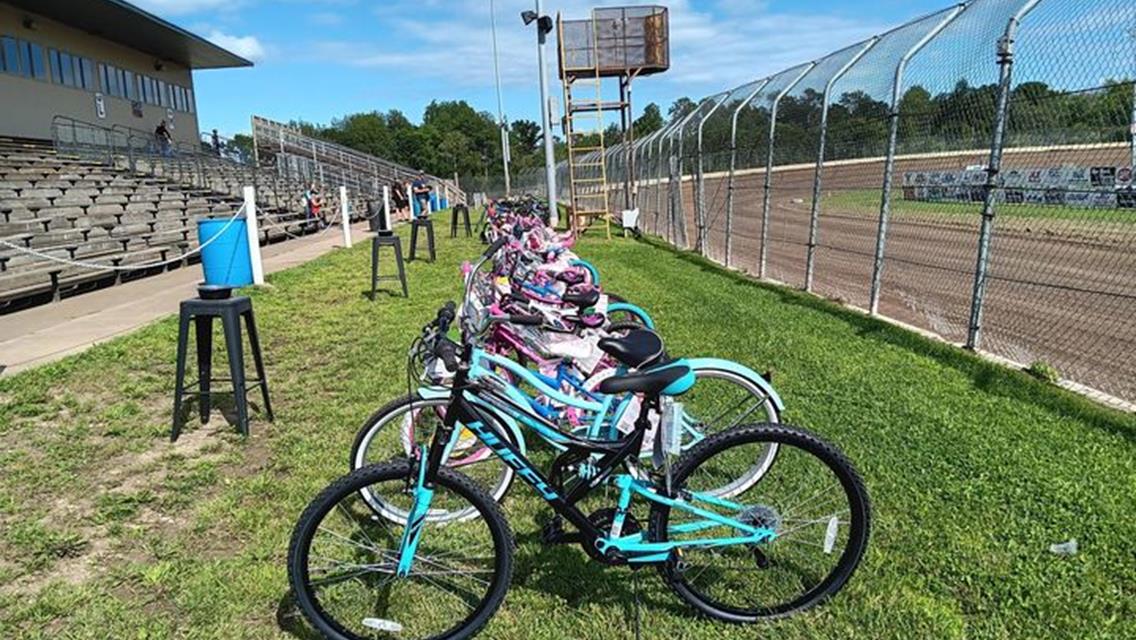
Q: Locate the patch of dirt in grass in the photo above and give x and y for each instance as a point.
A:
(125, 497)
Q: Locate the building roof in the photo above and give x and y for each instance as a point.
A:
(126, 24)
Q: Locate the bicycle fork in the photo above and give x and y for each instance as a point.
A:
(429, 462)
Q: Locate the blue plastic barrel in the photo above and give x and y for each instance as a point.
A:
(445, 202)
(225, 260)
(434, 201)
(417, 210)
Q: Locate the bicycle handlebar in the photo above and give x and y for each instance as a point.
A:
(495, 247)
(512, 318)
(446, 317)
(447, 351)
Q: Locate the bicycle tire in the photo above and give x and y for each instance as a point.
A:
(312, 517)
(784, 435)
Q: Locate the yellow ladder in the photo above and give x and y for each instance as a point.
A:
(584, 135)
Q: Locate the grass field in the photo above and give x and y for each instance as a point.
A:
(107, 530)
(868, 201)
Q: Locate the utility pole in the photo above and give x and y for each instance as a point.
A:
(501, 122)
(543, 28)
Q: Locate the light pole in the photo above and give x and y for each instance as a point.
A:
(543, 28)
(505, 151)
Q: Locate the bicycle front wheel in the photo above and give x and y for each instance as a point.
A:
(401, 427)
(811, 500)
(343, 560)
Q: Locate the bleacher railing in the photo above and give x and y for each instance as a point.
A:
(969, 173)
(185, 163)
(304, 158)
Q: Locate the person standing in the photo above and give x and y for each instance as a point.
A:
(398, 198)
(163, 137)
(313, 205)
(421, 189)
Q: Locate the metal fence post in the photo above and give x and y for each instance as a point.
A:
(1132, 128)
(660, 169)
(767, 198)
(700, 183)
(889, 163)
(677, 211)
(814, 214)
(733, 168)
(993, 170)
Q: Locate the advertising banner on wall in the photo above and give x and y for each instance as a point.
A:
(1098, 187)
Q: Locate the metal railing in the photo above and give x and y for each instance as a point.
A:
(299, 157)
(969, 173)
(184, 163)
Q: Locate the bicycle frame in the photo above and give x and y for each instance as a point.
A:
(611, 547)
(602, 406)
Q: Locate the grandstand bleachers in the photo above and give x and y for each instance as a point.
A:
(101, 210)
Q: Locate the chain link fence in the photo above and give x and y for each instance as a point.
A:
(969, 173)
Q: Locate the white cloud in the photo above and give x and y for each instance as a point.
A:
(710, 51)
(248, 47)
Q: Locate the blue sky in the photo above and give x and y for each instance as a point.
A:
(319, 59)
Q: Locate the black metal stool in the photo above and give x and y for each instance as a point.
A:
(387, 239)
(214, 302)
(464, 211)
(428, 225)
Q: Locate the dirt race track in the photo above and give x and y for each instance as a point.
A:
(1062, 285)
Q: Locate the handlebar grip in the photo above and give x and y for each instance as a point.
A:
(533, 321)
(446, 316)
(447, 351)
(495, 247)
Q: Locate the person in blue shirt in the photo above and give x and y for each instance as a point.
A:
(421, 190)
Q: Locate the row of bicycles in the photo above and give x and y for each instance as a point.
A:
(644, 459)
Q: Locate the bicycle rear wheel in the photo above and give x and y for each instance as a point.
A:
(343, 558)
(811, 498)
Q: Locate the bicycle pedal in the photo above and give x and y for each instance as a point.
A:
(553, 533)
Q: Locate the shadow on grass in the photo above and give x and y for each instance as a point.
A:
(291, 621)
(986, 376)
(391, 294)
(223, 402)
(566, 572)
(562, 571)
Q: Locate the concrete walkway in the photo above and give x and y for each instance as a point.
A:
(51, 331)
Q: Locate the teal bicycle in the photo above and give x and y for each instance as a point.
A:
(378, 554)
(726, 394)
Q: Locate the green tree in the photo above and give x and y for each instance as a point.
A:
(650, 121)
(681, 107)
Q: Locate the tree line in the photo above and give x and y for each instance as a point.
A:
(456, 138)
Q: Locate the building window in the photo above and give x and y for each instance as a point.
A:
(114, 80)
(85, 74)
(24, 58)
(33, 64)
(11, 54)
(70, 70)
(56, 66)
(129, 85)
(189, 101)
(67, 70)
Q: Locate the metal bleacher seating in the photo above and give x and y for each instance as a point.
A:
(110, 211)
